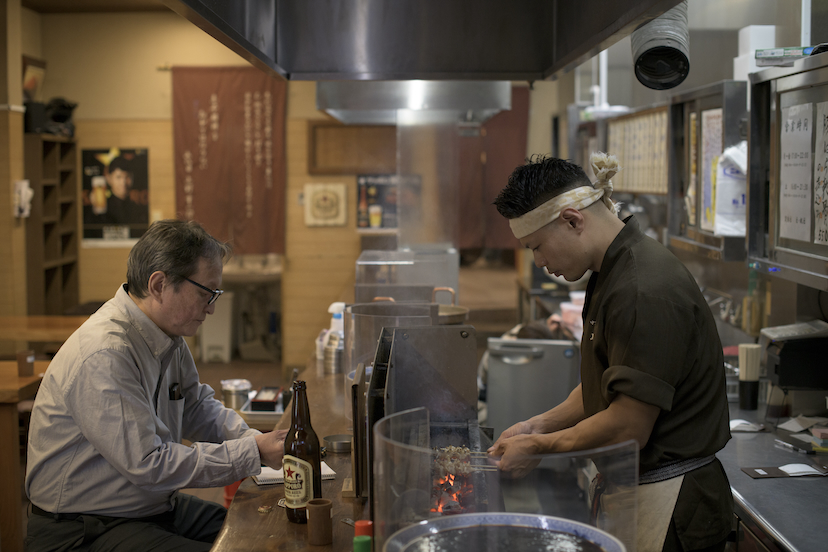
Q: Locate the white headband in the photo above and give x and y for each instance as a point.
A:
(604, 166)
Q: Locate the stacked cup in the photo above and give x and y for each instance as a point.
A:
(749, 354)
(320, 526)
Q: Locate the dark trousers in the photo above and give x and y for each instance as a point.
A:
(192, 526)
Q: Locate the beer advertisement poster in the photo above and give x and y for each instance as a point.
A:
(114, 192)
(377, 200)
(379, 195)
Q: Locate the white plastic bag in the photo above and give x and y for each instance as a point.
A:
(731, 192)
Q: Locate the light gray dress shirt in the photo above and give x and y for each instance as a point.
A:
(101, 443)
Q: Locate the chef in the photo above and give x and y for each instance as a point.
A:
(652, 367)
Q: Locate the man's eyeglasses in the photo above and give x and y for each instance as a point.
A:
(214, 293)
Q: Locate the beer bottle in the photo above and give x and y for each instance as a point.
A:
(302, 464)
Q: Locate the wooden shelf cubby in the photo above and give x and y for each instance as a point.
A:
(53, 227)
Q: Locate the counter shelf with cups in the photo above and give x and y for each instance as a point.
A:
(749, 356)
(330, 344)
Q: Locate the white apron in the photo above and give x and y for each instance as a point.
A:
(655, 504)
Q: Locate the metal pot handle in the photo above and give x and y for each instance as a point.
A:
(448, 289)
(515, 354)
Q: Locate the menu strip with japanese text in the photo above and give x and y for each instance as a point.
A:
(712, 146)
(795, 172)
(821, 175)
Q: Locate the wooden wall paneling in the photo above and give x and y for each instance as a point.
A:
(13, 282)
(319, 261)
(334, 148)
(102, 270)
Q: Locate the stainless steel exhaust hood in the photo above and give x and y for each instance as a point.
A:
(379, 40)
(380, 102)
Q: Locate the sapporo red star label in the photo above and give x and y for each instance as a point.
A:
(298, 482)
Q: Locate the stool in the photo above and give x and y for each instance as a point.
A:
(230, 492)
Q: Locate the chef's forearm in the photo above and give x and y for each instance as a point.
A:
(625, 419)
(563, 416)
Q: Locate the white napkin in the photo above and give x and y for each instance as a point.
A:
(795, 470)
(744, 426)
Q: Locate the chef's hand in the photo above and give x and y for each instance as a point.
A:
(272, 447)
(517, 454)
(520, 428)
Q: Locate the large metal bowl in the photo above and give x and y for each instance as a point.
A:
(497, 531)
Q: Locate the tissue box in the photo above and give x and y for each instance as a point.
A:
(754, 37)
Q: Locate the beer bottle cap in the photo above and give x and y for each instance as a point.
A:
(364, 527)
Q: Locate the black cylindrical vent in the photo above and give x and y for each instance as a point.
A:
(660, 50)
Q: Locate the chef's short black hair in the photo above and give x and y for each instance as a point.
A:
(536, 182)
(173, 247)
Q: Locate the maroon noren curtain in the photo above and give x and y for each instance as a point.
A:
(505, 145)
(229, 128)
(503, 141)
(471, 228)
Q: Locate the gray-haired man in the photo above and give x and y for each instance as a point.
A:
(106, 459)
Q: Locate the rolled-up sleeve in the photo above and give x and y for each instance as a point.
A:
(650, 346)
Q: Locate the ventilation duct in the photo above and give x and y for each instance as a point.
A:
(660, 50)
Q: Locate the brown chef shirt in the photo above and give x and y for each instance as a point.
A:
(649, 334)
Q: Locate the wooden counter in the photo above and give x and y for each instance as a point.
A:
(779, 511)
(13, 389)
(247, 529)
(39, 328)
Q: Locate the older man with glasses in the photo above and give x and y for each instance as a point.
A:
(106, 460)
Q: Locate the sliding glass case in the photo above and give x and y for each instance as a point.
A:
(704, 122)
(787, 209)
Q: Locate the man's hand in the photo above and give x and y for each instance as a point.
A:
(625, 419)
(520, 428)
(513, 447)
(517, 453)
(272, 447)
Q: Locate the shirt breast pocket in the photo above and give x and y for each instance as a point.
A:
(173, 418)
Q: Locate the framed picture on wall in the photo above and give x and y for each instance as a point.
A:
(34, 71)
(114, 191)
(325, 205)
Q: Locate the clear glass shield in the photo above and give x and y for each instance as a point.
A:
(429, 479)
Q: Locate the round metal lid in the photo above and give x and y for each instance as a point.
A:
(338, 443)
